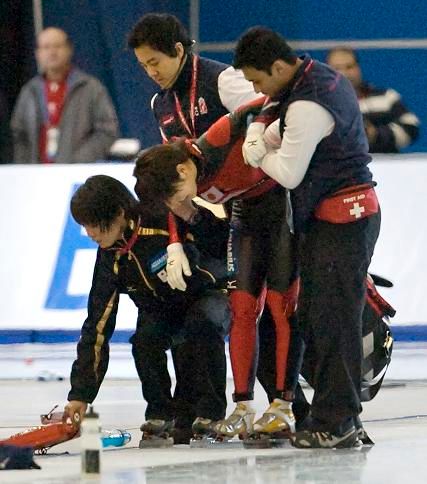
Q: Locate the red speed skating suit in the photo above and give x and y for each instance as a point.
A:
(263, 253)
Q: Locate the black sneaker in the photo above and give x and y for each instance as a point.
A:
(157, 426)
(156, 433)
(203, 427)
(307, 439)
(361, 432)
(182, 435)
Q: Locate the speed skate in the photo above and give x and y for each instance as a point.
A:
(211, 442)
(274, 428)
(206, 436)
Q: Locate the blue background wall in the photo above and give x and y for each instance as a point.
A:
(99, 28)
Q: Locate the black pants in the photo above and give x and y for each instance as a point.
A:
(266, 372)
(334, 260)
(195, 334)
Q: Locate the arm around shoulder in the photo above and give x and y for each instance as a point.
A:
(307, 123)
(234, 90)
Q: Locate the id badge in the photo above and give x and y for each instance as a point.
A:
(52, 140)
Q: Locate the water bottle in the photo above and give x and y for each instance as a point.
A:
(91, 445)
(115, 438)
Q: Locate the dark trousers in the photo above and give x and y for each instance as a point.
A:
(334, 260)
(266, 372)
(196, 336)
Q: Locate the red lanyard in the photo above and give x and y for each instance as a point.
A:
(193, 89)
(54, 96)
(131, 242)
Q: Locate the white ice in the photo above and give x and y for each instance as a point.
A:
(396, 420)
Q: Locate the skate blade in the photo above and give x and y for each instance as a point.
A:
(257, 444)
(156, 443)
(211, 443)
(266, 443)
(280, 443)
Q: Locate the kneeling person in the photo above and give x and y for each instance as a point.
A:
(131, 259)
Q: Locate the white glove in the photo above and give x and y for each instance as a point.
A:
(177, 265)
(254, 148)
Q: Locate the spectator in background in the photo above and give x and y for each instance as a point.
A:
(389, 125)
(63, 115)
(5, 143)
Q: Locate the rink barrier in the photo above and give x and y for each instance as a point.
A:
(410, 333)
(46, 276)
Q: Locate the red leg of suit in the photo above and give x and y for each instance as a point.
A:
(246, 309)
(282, 306)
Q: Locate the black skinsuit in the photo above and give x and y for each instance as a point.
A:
(193, 323)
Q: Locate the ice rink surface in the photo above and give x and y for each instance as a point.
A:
(396, 420)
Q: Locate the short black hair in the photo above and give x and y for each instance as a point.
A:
(259, 47)
(160, 31)
(99, 201)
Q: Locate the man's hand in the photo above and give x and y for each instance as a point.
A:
(177, 265)
(254, 148)
(75, 407)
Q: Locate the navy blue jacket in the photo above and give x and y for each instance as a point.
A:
(340, 160)
(140, 273)
(220, 89)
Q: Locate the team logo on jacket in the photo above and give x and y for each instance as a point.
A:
(213, 195)
(158, 262)
(158, 265)
(168, 119)
(203, 108)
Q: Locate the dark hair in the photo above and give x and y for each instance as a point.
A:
(99, 200)
(342, 48)
(161, 31)
(260, 47)
(156, 175)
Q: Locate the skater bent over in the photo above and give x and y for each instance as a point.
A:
(131, 260)
(212, 167)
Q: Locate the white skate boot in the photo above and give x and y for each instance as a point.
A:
(274, 428)
(240, 423)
